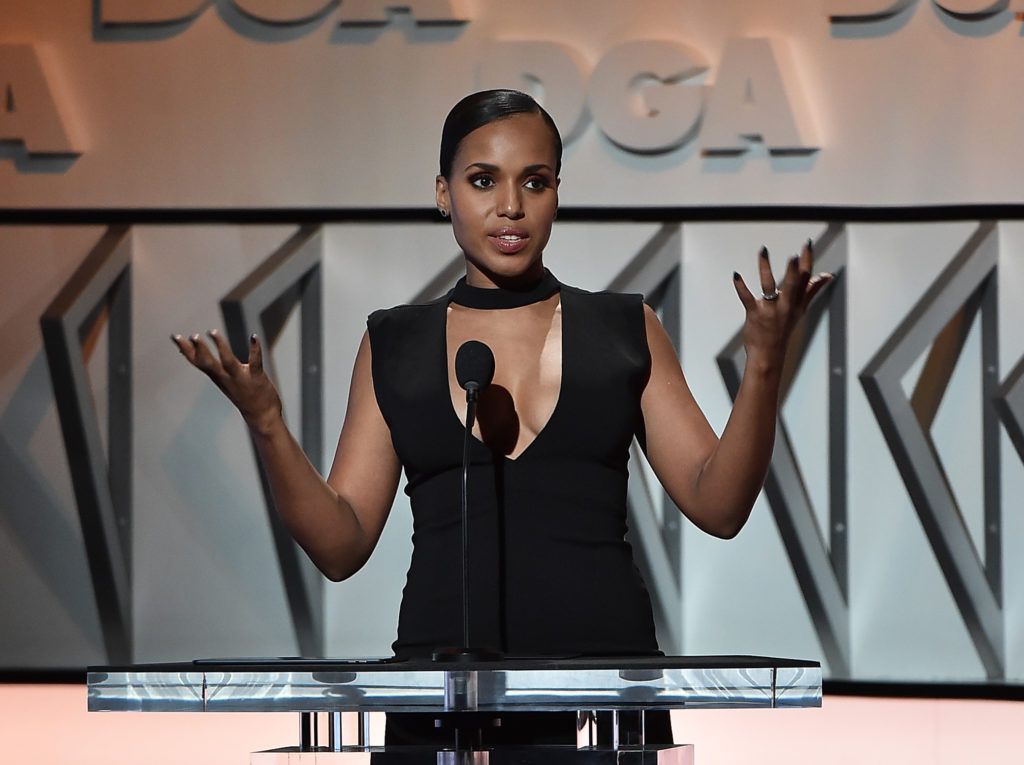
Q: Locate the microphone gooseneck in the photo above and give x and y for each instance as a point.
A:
(474, 369)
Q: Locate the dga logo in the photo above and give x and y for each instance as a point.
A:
(32, 131)
(647, 96)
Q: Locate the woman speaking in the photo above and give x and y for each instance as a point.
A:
(577, 375)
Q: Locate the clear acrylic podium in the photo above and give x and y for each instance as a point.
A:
(586, 686)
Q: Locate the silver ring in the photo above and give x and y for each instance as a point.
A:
(770, 295)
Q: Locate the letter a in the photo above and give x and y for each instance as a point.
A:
(749, 102)
(28, 112)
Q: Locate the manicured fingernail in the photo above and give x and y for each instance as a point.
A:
(736, 276)
(195, 338)
(764, 251)
(211, 332)
(175, 339)
(810, 244)
(252, 338)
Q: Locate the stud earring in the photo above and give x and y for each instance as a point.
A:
(444, 213)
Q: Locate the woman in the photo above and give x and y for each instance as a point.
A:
(577, 376)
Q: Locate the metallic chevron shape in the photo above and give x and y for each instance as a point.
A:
(1009, 403)
(821, 570)
(966, 286)
(99, 289)
(656, 272)
(261, 303)
(442, 281)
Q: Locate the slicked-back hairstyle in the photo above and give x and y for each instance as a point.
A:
(486, 106)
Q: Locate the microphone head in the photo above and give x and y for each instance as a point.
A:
(474, 365)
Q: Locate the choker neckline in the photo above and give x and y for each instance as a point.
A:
(489, 298)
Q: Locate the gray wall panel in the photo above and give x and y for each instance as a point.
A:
(205, 572)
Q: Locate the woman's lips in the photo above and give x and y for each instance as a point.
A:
(509, 243)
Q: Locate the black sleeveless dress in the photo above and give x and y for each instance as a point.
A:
(550, 571)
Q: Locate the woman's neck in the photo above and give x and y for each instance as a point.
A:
(495, 297)
(481, 279)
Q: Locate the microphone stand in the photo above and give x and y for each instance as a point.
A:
(464, 653)
(472, 394)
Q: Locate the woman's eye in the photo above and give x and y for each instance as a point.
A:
(482, 181)
(536, 184)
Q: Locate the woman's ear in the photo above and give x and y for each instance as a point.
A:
(441, 196)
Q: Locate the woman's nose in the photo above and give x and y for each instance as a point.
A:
(510, 205)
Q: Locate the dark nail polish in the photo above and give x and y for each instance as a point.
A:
(764, 251)
(736, 276)
(252, 338)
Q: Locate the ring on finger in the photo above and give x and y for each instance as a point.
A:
(769, 296)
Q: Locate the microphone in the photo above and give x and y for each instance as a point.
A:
(474, 369)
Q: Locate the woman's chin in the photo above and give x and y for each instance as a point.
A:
(509, 266)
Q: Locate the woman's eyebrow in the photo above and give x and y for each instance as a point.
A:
(494, 168)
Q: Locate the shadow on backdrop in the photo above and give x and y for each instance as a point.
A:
(27, 162)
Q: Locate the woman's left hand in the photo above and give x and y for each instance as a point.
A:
(770, 320)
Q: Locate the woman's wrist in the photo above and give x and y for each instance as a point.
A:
(765, 364)
(267, 423)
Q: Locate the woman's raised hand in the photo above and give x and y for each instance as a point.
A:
(770, 319)
(247, 385)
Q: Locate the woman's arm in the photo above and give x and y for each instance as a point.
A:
(715, 481)
(337, 521)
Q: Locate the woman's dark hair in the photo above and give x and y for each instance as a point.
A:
(486, 106)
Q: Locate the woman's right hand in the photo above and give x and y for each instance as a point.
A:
(246, 385)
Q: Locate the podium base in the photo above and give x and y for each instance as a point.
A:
(679, 754)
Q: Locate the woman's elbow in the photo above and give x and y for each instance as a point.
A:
(730, 531)
(337, 573)
(726, 525)
(338, 567)
(334, 575)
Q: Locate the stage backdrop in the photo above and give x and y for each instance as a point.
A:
(132, 523)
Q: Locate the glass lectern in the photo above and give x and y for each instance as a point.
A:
(585, 686)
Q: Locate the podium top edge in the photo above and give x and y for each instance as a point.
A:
(635, 663)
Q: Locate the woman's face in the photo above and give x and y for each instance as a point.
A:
(502, 194)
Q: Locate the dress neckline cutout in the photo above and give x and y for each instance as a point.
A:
(564, 370)
(491, 298)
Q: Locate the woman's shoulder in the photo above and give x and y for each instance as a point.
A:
(404, 314)
(606, 300)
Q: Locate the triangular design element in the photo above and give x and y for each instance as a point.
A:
(941, 319)
(820, 569)
(261, 303)
(1009, 403)
(101, 477)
